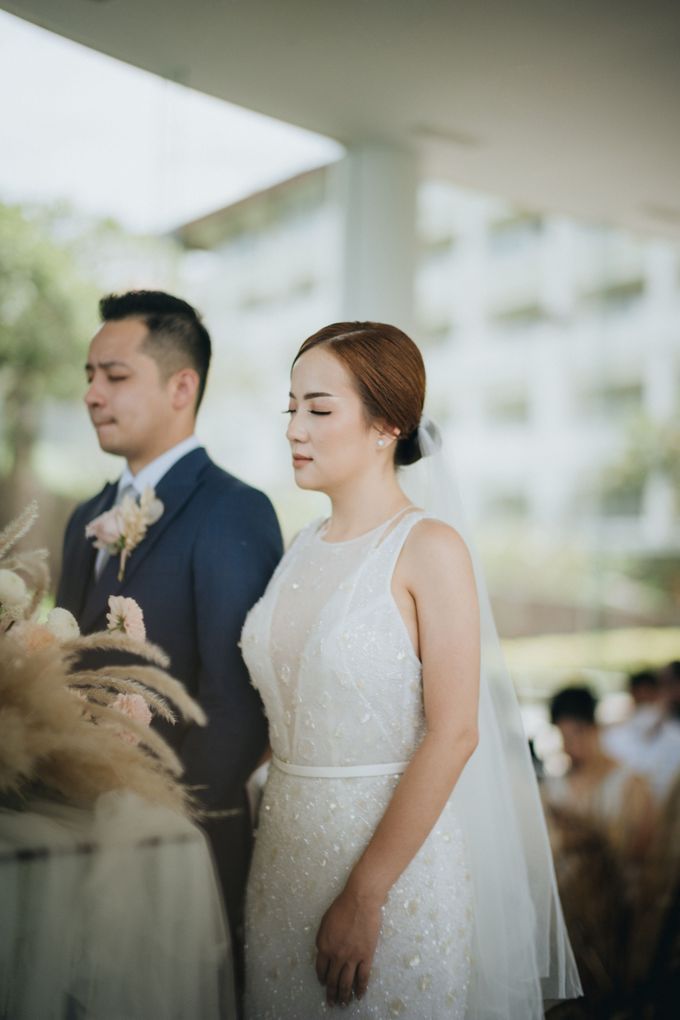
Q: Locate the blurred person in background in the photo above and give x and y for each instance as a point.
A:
(644, 688)
(654, 956)
(591, 885)
(655, 949)
(670, 690)
(600, 818)
(597, 786)
(649, 741)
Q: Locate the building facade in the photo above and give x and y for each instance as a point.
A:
(551, 346)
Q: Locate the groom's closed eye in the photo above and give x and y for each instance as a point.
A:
(109, 378)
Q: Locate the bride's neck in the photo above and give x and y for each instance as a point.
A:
(362, 505)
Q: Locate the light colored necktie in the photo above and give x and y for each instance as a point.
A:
(103, 555)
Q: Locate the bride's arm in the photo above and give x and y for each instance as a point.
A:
(436, 569)
(264, 757)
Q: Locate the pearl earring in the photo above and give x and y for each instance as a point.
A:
(381, 442)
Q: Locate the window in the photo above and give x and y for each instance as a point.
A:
(302, 286)
(515, 233)
(508, 504)
(524, 317)
(509, 407)
(615, 298)
(625, 500)
(436, 332)
(614, 400)
(433, 247)
(251, 300)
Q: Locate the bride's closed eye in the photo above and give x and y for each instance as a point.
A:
(292, 410)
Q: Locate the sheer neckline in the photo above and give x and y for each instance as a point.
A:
(323, 527)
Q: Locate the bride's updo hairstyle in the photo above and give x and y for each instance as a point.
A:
(389, 375)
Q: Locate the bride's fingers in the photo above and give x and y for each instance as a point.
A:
(332, 979)
(346, 984)
(363, 972)
(322, 964)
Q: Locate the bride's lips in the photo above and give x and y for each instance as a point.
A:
(300, 461)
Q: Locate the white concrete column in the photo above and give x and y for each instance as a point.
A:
(376, 187)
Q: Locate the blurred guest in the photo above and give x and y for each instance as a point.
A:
(592, 892)
(670, 690)
(649, 742)
(597, 787)
(654, 961)
(644, 688)
(599, 818)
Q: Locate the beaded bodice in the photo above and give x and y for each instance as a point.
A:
(329, 652)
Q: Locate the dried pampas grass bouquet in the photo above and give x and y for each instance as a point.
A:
(75, 733)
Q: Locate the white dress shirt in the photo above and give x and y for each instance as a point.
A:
(649, 743)
(148, 477)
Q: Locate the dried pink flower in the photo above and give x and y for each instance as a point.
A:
(134, 707)
(32, 636)
(125, 615)
(122, 528)
(106, 529)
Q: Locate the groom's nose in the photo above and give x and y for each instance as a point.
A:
(93, 394)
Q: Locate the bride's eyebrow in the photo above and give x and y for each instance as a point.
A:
(311, 396)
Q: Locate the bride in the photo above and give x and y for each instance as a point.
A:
(396, 870)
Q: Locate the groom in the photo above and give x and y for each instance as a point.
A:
(201, 565)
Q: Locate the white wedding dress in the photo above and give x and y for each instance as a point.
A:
(331, 657)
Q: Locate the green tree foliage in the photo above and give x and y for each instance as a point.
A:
(47, 314)
(652, 447)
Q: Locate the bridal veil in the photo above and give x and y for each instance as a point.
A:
(522, 958)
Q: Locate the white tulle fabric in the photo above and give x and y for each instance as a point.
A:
(521, 950)
(113, 913)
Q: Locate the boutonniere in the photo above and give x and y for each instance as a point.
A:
(122, 528)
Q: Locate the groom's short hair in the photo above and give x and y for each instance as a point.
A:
(176, 336)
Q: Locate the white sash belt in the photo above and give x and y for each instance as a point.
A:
(340, 771)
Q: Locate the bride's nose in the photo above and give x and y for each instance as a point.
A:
(296, 431)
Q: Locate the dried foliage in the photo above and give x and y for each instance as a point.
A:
(16, 530)
(59, 730)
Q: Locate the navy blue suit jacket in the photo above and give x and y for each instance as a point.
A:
(196, 574)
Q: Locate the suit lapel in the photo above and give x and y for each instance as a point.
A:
(82, 559)
(174, 490)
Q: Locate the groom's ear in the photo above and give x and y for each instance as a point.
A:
(184, 389)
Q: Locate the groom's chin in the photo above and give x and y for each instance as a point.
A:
(108, 443)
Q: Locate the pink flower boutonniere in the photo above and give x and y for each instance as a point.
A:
(126, 616)
(122, 528)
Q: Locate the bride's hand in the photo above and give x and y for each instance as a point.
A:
(345, 942)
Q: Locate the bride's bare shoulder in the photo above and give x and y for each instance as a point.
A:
(432, 534)
(432, 546)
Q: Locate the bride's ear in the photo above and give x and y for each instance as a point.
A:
(386, 434)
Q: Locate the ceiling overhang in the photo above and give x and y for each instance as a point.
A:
(565, 107)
